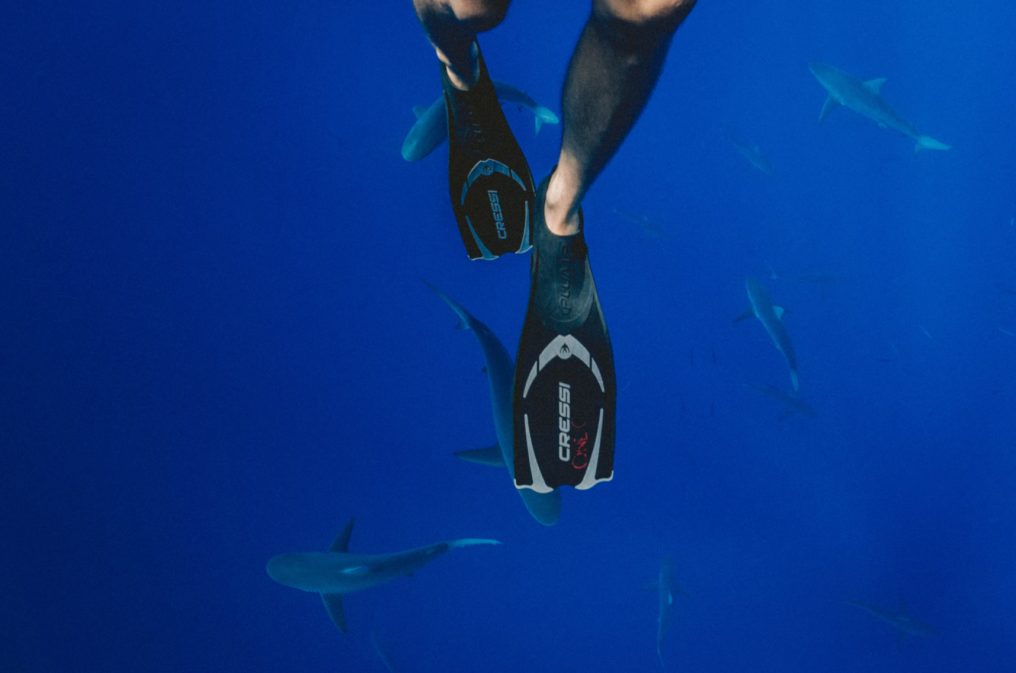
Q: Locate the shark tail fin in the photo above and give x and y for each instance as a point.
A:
(793, 379)
(539, 124)
(926, 143)
(333, 603)
(489, 456)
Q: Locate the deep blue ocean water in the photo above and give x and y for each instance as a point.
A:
(215, 345)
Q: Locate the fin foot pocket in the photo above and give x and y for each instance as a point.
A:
(489, 180)
(565, 387)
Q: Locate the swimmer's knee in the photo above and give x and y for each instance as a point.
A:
(659, 17)
(478, 15)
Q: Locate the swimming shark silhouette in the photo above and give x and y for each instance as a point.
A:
(752, 153)
(864, 98)
(667, 588)
(431, 127)
(901, 619)
(500, 369)
(337, 572)
(770, 315)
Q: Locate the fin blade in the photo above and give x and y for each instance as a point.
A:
(341, 543)
(333, 604)
(490, 455)
(830, 105)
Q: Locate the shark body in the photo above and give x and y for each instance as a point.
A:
(901, 619)
(753, 154)
(431, 127)
(545, 507)
(337, 572)
(791, 403)
(668, 588)
(864, 98)
(771, 317)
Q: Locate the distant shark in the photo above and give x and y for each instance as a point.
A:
(545, 507)
(752, 153)
(770, 315)
(431, 127)
(650, 228)
(901, 619)
(792, 403)
(864, 98)
(337, 572)
(667, 588)
(822, 280)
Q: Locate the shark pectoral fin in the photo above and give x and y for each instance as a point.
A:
(874, 85)
(333, 604)
(491, 455)
(539, 123)
(419, 110)
(745, 314)
(924, 142)
(830, 105)
(780, 310)
(341, 543)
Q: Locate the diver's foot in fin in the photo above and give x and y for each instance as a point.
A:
(488, 176)
(565, 388)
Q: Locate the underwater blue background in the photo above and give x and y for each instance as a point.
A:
(215, 345)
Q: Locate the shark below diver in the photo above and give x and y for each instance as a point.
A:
(431, 127)
(901, 619)
(667, 588)
(752, 153)
(500, 369)
(791, 403)
(864, 98)
(337, 572)
(771, 317)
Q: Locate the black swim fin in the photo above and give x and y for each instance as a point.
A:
(489, 179)
(565, 386)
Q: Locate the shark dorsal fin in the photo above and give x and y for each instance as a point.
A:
(333, 603)
(419, 110)
(779, 311)
(341, 543)
(874, 85)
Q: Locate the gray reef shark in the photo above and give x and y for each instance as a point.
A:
(337, 572)
(500, 369)
(667, 588)
(792, 403)
(752, 153)
(864, 98)
(822, 280)
(901, 619)
(431, 127)
(770, 315)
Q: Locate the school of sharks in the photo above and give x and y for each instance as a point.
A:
(337, 572)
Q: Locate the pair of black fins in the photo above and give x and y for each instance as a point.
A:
(564, 389)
